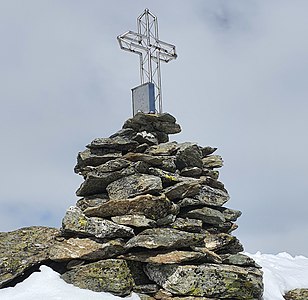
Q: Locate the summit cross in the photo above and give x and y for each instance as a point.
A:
(151, 50)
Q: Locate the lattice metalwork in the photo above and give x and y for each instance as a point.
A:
(151, 51)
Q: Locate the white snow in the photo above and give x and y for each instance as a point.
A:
(282, 273)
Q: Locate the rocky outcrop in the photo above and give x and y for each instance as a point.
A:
(297, 294)
(151, 219)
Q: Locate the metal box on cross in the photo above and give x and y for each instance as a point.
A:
(143, 97)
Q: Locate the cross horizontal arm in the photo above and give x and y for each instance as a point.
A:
(136, 42)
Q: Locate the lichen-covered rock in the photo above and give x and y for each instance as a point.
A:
(134, 185)
(149, 159)
(223, 243)
(190, 225)
(76, 222)
(233, 282)
(188, 155)
(22, 249)
(96, 182)
(85, 249)
(164, 257)
(152, 207)
(239, 259)
(163, 149)
(231, 214)
(191, 172)
(134, 221)
(207, 215)
(86, 158)
(212, 196)
(297, 294)
(167, 178)
(187, 188)
(164, 238)
(212, 161)
(111, 275)
(107, 145)
(91, 201)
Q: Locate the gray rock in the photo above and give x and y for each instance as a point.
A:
(164, 257)
(231, 214)
(297, 294)
(96, 182)
(190, 225)
(207, 215)
(188, 155)
(149, 159)
(117, 143)
(207, 150)
(166, 220)
(239, 259)
(92, 201)
(165, 295)
(168, 164)
(85, 249)
(164, 238)
(188, 188)
(212, 196)
(86, 158)
(22, 249)
(212, 161)
(111, 275)
(210, 173)
(146, 137)
(166, 177)
(210, 255)
(134, 185)
(127, 133)
(213, 183)
(191, 172)
(222, 243)
(134, 221)
(76, 222)
(164, 149)
(233, 282)
(151, 207)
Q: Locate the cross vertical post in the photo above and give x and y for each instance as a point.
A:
(151, 50)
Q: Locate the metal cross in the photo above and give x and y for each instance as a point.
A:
(150, 49)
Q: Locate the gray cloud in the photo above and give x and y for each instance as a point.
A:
(239, 83)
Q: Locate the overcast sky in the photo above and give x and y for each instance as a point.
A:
(240, 83)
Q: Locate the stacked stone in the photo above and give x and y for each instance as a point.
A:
(152, 219)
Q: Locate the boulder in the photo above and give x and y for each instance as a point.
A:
(85, 249)
(202, 280)
(134, 185)
(77, 223)
(152, 207)
(23, 249)
(110, 275)
(297, 294)
(164, 238)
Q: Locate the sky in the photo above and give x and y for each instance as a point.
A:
(239, 83)
(282, 273)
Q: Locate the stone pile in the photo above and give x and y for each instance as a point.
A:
(151, 219)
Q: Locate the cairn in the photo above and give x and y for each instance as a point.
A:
(151, 219)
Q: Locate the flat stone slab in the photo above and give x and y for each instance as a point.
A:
(85, 249)
(22, 249)
(297, 294)
(212, 161)
(164, 238)
(164, 257)
(77, 223)
(207, 215)
(134, 185)
(233, 282)
(152, 207)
